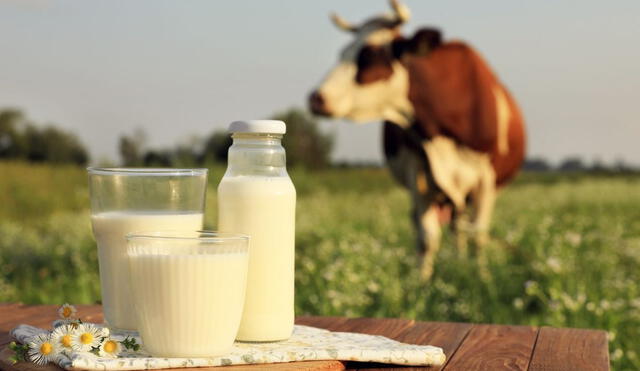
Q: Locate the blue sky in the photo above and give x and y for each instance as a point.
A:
(181, 69)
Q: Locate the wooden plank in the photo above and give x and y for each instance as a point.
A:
(328, 323)
(493, 347)
(11, 316)
(5, 339)
(38, 315)
(446, 335)
(42, 315)
(389, 327)
(91, 313)
(570, 349)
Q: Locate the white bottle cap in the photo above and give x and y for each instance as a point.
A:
(258, 126)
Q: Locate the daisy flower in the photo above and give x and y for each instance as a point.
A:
(42, 349)
(67, 311)
(105, 332)
(110, 348)
(62, 336)
(86, 337)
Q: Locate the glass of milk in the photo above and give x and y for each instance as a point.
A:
(188, 290)
(124, 200)
(256, 197)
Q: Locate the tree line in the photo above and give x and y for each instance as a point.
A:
(306, 146)
(21, 139)
(575, 164)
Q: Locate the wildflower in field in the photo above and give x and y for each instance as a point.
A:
(67, 312)
(573, 238)
(62, 336)
(86, 337)
(617, 354)
(518, 303)
(554, 264)
(530, 287)
(110, 348)
(42, 349)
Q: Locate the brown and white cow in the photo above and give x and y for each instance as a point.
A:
(452, 132)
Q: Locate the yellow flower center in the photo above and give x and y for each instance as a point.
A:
(86, 338)
(66, 341)
(110, 346)
(66, 312)
(46, 348)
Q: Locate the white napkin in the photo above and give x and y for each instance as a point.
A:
(305, 344)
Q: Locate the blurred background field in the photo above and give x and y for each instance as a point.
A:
(565, 251)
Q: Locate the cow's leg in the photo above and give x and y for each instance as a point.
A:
(484, 197)
(426, 219)
(431, 235)
(418, 209)
(460, 226)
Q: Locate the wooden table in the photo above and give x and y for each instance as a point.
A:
(467, 346)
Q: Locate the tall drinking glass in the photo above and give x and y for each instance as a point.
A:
(125, 200)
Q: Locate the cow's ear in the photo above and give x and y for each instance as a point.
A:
(424, 41)
(399, 47)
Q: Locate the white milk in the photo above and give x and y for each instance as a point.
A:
(264, 209)
(189, 305)
(109, 229)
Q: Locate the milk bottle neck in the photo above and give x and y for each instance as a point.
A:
(257, 154)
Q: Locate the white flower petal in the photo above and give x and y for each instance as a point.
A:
(67, 311)
(35, 354)
(58, 336)
(117, 348)
(86, 337)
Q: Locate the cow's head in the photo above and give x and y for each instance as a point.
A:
(369, 82)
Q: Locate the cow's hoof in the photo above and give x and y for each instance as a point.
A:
(482, 240)
(426, 273)
(426, 270)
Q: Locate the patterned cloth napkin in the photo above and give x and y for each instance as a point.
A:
(306, 344)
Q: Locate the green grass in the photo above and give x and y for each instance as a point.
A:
(565, 251)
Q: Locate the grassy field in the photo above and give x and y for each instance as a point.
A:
(565, 252)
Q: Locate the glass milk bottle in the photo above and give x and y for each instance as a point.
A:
(256, 197)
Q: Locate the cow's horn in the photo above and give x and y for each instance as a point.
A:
(342, 23)
(401, 11)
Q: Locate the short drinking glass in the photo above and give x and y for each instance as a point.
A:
(188, 290)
